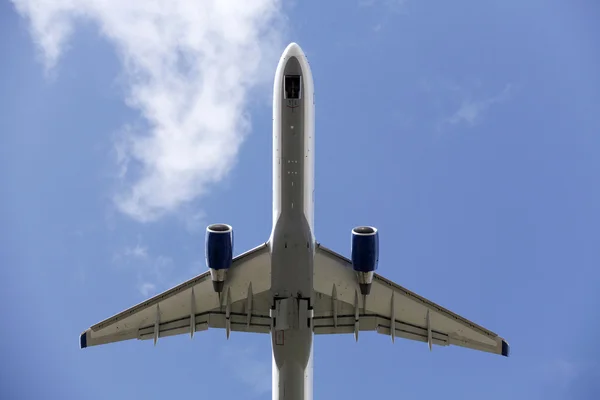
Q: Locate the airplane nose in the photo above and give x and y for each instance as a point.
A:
(293, 50)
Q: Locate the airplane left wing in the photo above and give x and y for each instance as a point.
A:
(194, 306)
(390, 309)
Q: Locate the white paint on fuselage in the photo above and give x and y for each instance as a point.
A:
(290, 377)
(293, 50)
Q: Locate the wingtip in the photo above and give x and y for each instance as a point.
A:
(505, 348)
(83, 340)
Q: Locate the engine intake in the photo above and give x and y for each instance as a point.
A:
(219, 253)
(365, 256)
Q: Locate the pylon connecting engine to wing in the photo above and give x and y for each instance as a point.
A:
(365, 256)
(219, 253)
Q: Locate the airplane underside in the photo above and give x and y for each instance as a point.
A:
(291, 286)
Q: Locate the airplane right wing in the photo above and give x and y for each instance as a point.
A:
(390, 310)
(194, 306)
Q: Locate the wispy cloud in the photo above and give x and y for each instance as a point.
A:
(384, 10)
(193, 220)
(471, 110)
(138, 251)
(147, 288)
(390, 5)
(189, 66)
(153, 272)
(462, 104)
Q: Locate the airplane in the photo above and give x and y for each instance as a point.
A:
(292, 287)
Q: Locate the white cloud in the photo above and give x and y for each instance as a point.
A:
(385, 11)
(147, 288)
(138, 251)
(153, 272)
(391, 5)
(471, 111)
(189, 67)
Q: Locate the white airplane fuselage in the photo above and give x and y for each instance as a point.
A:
(292, 241)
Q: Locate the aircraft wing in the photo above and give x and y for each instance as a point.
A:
(194, 306)
(390, 310)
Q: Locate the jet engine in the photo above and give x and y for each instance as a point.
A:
(365, 256)
(219, 253)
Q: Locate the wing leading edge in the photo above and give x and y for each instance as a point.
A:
(390, 310)
(194, 306)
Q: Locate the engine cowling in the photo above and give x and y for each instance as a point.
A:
(365, 255)
(219, 253)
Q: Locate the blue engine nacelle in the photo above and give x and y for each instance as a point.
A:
(365, 255)
(219, 253)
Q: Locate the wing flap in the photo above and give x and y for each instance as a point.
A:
(239, 323)
(346, 324)
(215, 319)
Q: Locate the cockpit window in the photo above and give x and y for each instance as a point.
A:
(292, 86)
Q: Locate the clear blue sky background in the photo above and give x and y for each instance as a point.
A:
(468, 132)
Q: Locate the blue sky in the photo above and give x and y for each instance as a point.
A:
(466, 131)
